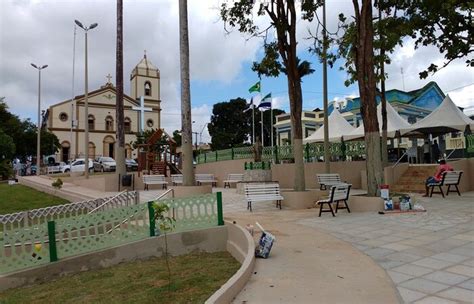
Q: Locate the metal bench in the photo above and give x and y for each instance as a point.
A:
(328, 179)
(177, 179)
(206, 178)
(262, 192)
(233, 178)
(155, 180)
(449, 178)
(338, 193)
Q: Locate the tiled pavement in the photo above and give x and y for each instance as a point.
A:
(429, 256)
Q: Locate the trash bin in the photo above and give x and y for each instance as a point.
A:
(127, 180)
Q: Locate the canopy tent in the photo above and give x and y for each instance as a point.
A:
(394, 123)
(338, 127)
(444, 119)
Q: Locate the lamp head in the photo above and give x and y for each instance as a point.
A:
(93, 25)
(34, 65)
(44, 66)
(79, 24)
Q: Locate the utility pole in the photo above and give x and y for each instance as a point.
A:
(327, 164)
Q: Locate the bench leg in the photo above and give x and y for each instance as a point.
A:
(321, 208)
(164, 186)
(278, 204)
(457, 189)
(249, 206)
(226, 184)
(447, 192)
(330, 208)
(347, 206)
(441, 190)
(431, 192)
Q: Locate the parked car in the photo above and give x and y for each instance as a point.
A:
(131, 164)
(56, 167)
(78, 165)
(104, 163)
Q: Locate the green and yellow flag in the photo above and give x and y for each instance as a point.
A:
(255, 88)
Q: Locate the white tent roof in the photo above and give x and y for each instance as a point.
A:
(394, 123)
(338, 127)
(445, 118)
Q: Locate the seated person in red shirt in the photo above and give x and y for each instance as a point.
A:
(443, 166)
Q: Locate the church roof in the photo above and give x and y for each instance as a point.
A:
(145, 68)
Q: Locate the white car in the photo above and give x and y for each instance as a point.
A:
(78, 166)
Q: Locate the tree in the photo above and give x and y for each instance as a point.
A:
(177, 137)
(363, 50)
(186, 126)
(280, 54)
(447, 24)
(120, 146)
(7, 146)
(229, 126)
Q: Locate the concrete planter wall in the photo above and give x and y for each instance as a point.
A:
(301, 199)
(185, 191)
(361, 203)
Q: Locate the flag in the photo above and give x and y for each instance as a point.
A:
(266, 102)
(250, 105)
(255, 87)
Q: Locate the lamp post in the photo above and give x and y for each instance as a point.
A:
(86, 103)
(38, 140)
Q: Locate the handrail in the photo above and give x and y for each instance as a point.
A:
(155, 199)
(107, 201)
(398, 161)
(447, 157)
(164, 193)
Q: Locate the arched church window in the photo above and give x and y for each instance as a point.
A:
(91, 122)
(127, 125)
(149, 123)
(109, 123)
(63, 116)
(147, 88)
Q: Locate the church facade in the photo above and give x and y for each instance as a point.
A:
(67, 119)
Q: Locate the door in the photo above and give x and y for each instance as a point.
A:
(111, 150)
(65, 154)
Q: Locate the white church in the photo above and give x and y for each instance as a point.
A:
(144, 81)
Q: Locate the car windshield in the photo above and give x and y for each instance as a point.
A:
(107, 159)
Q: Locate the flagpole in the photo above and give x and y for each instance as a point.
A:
(253, 123)
(261, 124)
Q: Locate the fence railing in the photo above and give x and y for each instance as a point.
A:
(42, 215)
(34, 245)
(311, 152)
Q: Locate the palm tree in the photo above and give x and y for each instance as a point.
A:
(187, 142)
(120, 145)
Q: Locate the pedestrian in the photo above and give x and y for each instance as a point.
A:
(426, 152)
(443, 167)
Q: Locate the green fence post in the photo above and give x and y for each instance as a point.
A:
(216, 155)
(232, 152)
(220, 214)
(151, 215)
(205, 157)
(251, 165)
(53, 252)
(306, 152)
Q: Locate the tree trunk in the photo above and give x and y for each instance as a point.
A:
(187, 141)
(366, 79)
(383, 99)
(120, 144)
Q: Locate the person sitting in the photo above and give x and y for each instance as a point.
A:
(443, 167)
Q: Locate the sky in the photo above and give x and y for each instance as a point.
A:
(42, 32)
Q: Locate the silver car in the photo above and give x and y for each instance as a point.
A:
(103, 164)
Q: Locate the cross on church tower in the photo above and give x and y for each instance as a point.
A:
(144, 53)
(109, 77)
(142, 109)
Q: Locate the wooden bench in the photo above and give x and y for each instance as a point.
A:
(262, 192)
(233, 178)
(338, 193)
(328, 179)
(206, 178)
(449, 178)
(177, 179)
(154, 180)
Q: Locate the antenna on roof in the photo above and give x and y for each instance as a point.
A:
(403, 79)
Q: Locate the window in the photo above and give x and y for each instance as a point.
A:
(63, 116)
(411, 119)
(127, 125)
(310, 115)
(149, 123)
(109, 123)
(321, 115)
(147, 88)
(91, 122)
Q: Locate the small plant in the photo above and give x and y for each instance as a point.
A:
(57, 184)
(166, 224)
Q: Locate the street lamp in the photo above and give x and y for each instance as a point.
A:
(86, 103)
(38, 140)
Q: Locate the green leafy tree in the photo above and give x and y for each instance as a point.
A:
(229, 126)
(177, 137)
(257, 19)
(7, 146)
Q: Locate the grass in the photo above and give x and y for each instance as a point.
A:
(19, 198)
(195, 277)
